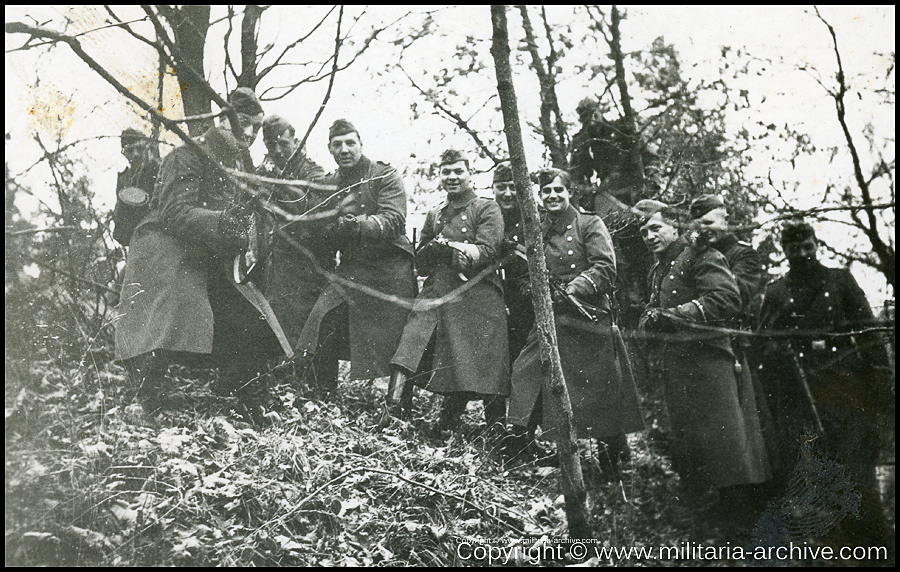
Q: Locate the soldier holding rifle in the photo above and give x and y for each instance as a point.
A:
(459, 347)
(582, 268)
(829, 383)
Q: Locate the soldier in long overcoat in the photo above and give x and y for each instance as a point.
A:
(712, 444)
(710, 219)
(829, 391)
(141, 172)
(370, 233)
(177, 300)
(294, 278)
(470, 357)
(582, 264)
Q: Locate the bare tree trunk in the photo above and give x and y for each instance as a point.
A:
(190, 25)
(249, 44)
(549, 104)
(555, 386)
(636, 162)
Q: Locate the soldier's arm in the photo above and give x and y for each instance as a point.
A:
(488, 234)
(599, 278)
(389, 221)
(747, 270)
(425, 262)
(178, 188)
(718, 296)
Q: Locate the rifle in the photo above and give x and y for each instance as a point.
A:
(804, 381)
(582, 309)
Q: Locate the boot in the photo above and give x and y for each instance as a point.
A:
(397, 400)
(147, 375)
(452, 410)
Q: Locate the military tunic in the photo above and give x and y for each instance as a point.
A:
(175, 294)
(382, 259)
(470, 349)
(603, 396)
(712, 443)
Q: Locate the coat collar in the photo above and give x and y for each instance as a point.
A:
(727, 242)
(461, 201)
(674, 250)
(558, 225)
(357, 171)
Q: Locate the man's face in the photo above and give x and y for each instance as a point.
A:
(713, 225)
(801, 254)
(505, 195)
(250, 126)
(455, 178)
(658, 234)
(133, 150)
(346, 150)
(555, 197)
(281, 148)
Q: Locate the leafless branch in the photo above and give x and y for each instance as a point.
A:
(265, 71)
(455, 117)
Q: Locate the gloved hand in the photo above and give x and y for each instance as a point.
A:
(581, 288)
(525, 287)
(654, 320)
(348, 229)
(233, 224)
(460, 262)
(465, 256)
(435, 254)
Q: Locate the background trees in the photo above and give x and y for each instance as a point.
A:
(796, 116)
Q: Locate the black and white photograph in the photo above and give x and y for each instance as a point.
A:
(483, 285)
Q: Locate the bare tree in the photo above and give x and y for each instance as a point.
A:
(570, 464)
(866, 216)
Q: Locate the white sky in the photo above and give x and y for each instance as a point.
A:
(378, 99)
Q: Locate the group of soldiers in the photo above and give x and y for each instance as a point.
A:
(339, 278)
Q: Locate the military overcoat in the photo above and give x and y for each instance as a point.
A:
(712, 442)
(175, 272)
(381, 260)
(470, 349)
(848, 376)
(603, 396)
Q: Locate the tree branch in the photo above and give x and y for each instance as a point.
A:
(455, 117)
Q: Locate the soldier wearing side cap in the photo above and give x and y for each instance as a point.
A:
(134, 185)
(294, 279)
(581, 266)
(178, 302)
(514, 269)
(459, 348)
(368, 228)
(829, 392)
(709, 218)
(712, 443)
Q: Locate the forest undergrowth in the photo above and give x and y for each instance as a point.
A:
(314, 482)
